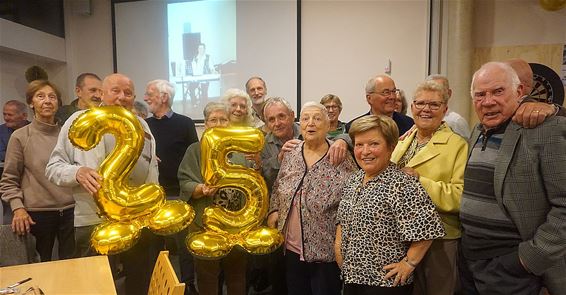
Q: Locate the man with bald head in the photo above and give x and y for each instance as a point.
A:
(513, 211)
(72, 167)
(380, 95)
(531, 113)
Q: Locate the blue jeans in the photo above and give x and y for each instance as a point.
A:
(50, 225)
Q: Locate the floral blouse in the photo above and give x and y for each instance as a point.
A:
(379, 221)
(320, 191)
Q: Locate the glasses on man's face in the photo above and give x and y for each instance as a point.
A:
(388, 92)
(432, 105)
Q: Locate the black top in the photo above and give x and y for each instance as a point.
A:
(173, 135)
(404, 123)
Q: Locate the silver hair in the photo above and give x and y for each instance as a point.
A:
(320, 107)
(432, 86)
(212, 107)
(164, 86)
(370, 85)
(235, 92)
(277, 100)
(509, 71)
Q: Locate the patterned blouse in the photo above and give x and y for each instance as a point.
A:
(379, 221)
(320, 191)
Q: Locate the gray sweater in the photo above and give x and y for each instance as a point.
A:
(23, 183)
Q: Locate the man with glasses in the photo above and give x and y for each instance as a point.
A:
(513, 204)
(380, 95)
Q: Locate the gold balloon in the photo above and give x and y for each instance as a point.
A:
(127, 208)
(224, 229)
(552, 5)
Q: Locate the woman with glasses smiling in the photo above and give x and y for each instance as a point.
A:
(437, 156)
(333, 105)
(200, 196)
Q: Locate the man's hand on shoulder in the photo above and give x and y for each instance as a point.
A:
(532, 114)
(337, 152)
(288, 146)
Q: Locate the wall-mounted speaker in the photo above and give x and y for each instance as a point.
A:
(82, 7)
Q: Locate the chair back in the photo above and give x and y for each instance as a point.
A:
(16, 249)
(164, 281)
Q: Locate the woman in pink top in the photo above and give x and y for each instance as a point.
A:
(304, 203)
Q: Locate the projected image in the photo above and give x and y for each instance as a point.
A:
(202, 52)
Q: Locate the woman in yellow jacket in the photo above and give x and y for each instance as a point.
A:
(437, 157)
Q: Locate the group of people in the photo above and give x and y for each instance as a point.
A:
(383, 204)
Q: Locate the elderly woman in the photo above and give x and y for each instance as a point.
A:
(386, 221)
(334, 107)
(200, 196)
(304, 203)
(239, 107)
(436, 156)
(39, 206)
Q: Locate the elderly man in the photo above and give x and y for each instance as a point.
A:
(284, 134)
(15, 116)
(513, 205)
(531, 113)
(71, 167)
(257, 90)
(88, 92)
(380, 95)
(173, 135)
(456, 122)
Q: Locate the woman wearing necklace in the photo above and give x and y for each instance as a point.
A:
(386, 221)
(436, 156)
(40, 207)
(303, 207)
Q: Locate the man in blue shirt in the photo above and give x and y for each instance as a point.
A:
(15, 116)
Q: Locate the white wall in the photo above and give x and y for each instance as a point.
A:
(22, 47)
(344, 43)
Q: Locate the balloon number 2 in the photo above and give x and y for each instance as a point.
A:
(224, 229)
(127, 209)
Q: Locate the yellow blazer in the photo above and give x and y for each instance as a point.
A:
(440, 165)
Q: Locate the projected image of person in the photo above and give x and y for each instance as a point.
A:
(200, 65)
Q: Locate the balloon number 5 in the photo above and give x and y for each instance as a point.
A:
(127, 209)
(224, 229)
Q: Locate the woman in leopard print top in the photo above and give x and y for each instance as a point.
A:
(386, 221)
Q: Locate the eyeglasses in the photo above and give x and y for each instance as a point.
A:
(432, 105)
(387, 92)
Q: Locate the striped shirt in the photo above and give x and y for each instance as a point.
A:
(487, 230)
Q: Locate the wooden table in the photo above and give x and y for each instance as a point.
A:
(89, 275)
